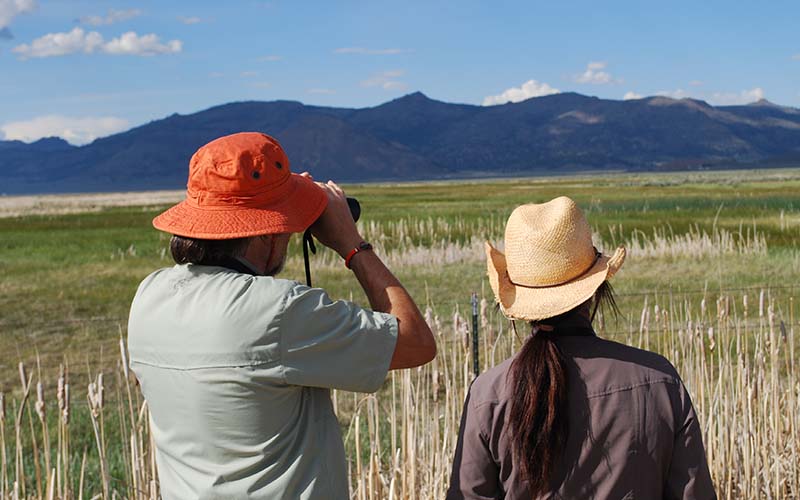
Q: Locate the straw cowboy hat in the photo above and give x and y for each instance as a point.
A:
(550, 265)
(240, 185)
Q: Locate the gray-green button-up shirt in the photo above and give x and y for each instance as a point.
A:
(237, 372)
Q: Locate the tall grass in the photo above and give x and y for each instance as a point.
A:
(440, 241)
(47, 464)
(736, 355)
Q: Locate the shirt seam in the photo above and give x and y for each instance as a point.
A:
(279, 320)
(483, 432)
(608, 392)
(631, 387)
(203, 367)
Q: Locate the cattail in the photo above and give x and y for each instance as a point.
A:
(722, 308)
(60, 389)
(2, 407)
(100, 390)
(65, 410)
(744, 303)
(95, 395)
(429, 317)
(39, 406)
(711, 342)
(461, 329)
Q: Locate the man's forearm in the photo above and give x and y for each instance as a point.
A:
(415, 343)
(383, 290)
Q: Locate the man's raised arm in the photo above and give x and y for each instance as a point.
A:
(336, 229)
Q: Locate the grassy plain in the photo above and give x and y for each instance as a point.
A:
(68, 279)
(69, 271)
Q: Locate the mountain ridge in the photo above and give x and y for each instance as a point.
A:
(415, 137)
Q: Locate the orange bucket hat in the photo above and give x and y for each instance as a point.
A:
(240, 185)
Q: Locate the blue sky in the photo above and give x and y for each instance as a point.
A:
(84, 69)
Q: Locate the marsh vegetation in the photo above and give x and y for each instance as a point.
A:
(710, 282)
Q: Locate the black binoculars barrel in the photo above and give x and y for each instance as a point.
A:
(308, 240)
(355, 208)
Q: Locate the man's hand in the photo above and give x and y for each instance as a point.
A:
(335, 228)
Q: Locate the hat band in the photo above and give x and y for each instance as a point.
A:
(597, 256)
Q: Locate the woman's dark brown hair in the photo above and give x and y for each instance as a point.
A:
(538, 418)
(198, 251)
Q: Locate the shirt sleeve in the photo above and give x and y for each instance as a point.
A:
(475, 474)
(688, 475)
(334, 344)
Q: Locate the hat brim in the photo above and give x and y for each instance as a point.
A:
(302, 204)
(534, 304)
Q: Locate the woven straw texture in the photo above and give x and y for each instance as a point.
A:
(550, 265)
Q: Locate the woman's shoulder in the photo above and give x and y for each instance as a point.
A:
(490, 386)
(610, 365)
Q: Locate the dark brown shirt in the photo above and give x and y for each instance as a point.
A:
(633, 432)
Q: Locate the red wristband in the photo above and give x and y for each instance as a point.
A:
(360, 248)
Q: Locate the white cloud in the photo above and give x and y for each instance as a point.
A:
(717, 98)
(796, 57)
(696, 83)
(321, 91)
(9, 9)
(73, 130)
(735, 98)
(60, 44)
(77, 40)
(531, 88)
(189, 20)
(630, 95)
(675, 94)
(248, 74)
(370, 52)
(271, 58)
(595, 75)
(113, 16)
(387, 80)
(394, 86)
(146, 45)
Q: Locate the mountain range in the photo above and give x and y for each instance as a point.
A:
(415, 137)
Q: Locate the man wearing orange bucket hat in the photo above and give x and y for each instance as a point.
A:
(236, 365)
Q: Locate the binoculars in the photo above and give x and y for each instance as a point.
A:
(308, 240)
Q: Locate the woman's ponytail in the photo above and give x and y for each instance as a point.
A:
(538, 418)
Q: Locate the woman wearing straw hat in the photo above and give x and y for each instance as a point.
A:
(572, 415)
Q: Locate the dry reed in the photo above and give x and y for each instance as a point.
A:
(737, 359)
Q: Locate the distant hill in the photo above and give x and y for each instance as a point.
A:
(415, 137)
